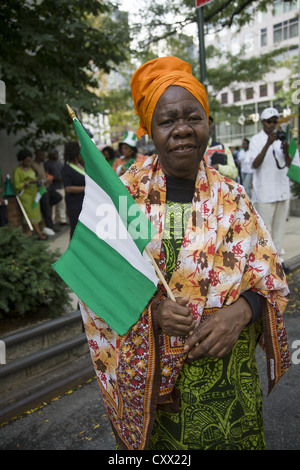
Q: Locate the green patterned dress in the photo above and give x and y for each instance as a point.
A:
(220, 399)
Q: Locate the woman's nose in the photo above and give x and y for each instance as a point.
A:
(182, 128)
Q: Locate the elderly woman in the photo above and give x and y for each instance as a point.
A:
(185, 375)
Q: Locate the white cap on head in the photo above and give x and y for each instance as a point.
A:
(268, 113)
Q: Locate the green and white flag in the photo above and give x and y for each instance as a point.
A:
(294, 170)
(41, 191)
(105, 264)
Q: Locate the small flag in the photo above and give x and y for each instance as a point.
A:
(105, 264)
(42, 190)
(294, 170)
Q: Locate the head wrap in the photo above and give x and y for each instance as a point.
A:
(152, 79)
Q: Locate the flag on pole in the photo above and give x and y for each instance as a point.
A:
(294, 169)
(41, 191)
(105, 264)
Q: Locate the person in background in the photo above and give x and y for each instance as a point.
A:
(25, 186)
(246, 167)
(73, 177)
(38, 167)
(54, 168)
(269, 158)
(109, 154)
(229, 168)
(128, 151)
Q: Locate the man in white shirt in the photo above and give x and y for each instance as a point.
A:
(271, 186)
(246, 167)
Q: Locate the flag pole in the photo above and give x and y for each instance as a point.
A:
(170, 293)
(24, 213)
(161, 277)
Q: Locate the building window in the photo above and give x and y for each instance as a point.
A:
(249, 93)
(285, 30)
(249, 42)
(263, 90)
(236, 95)
(277, 87)
(263, 37)
(282, 6)
(224, 98)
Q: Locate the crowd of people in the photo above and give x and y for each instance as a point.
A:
(63, 180)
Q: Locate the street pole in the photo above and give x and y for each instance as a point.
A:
(202, 60)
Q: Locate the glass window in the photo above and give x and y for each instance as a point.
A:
(263, 90)
(282, 6)
(236, 95)
(277, 87)
(263, 37)
(249, 42)
(224, 98)
(249, 93)
(285, 30)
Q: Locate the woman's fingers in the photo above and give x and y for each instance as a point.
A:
(175, 318)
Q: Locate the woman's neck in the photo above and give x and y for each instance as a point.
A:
(179, 189)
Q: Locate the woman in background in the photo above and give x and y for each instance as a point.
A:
(25, 185)
(74, 182)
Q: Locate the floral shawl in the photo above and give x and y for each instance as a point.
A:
(226, 250)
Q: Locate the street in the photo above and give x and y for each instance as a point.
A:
(77, 419)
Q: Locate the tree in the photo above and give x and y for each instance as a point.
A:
(165, 22)
(161, 20)
(51, 53)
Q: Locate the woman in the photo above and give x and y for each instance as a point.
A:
(128, 153)
(25, 185)
(73, 177)
(185, 375)
(109, 154)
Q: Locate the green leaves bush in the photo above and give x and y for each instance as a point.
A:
(28, 283)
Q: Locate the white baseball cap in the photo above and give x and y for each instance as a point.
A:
(268, 113)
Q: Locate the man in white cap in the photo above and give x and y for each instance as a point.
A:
(268, 154)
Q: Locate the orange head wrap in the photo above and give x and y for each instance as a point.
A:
(150, 81)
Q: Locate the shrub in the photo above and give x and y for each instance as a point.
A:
(28, 283)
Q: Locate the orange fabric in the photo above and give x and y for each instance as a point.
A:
(150, 81)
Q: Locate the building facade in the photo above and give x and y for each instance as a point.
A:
(276, 28)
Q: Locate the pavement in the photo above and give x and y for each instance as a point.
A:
(77, 419)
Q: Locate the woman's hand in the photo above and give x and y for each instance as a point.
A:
(217, 335)
(174, 318)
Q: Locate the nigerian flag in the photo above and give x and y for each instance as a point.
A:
(41, 191)
(294, 169)
(104, 264)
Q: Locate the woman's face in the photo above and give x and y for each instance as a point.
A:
(180, 132)
(26, 162)
(126, 150)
